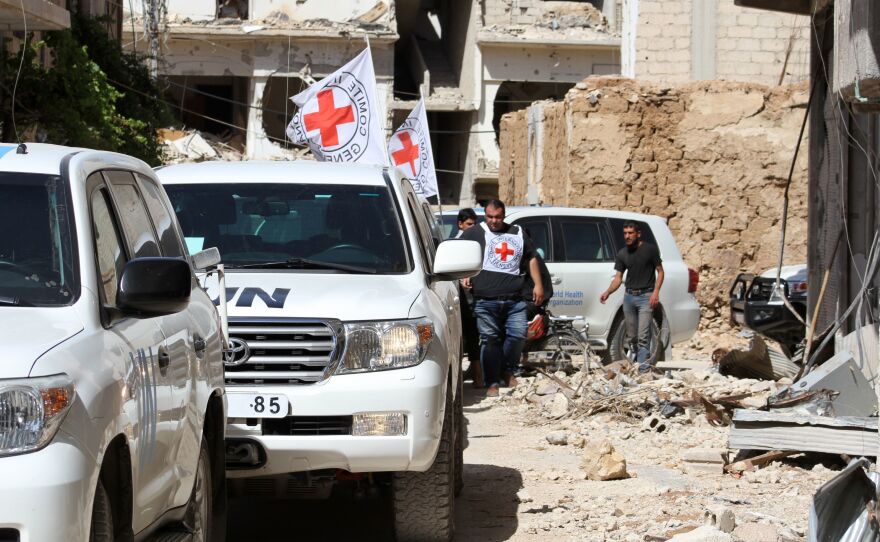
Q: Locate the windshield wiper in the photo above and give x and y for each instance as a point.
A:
(304, 263)
(12, 301)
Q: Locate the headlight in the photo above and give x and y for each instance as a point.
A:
(31, 410)
(374, 346)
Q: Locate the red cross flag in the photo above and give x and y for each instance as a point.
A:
(339, 117)
(410, 151)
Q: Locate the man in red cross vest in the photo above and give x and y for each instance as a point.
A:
(508, 254)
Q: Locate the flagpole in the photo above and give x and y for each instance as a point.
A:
(385, 147)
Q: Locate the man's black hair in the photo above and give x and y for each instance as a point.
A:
(632, 224)
(467, 213)
(497, 203)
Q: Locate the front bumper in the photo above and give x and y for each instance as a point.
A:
(419, 392)
(47, 495)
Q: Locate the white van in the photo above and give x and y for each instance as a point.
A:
(111, 387)
(345, 330)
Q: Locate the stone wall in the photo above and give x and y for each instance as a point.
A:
(743, 44)
(710, 157)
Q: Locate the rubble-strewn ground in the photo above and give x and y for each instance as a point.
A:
(521, 487)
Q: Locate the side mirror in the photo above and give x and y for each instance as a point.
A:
(457, 259)
(152, 287)
(206, 259)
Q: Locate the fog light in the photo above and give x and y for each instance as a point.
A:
(379, 424)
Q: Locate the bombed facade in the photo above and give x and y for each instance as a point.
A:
(230, 66)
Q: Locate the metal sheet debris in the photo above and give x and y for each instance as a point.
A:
(760, 430)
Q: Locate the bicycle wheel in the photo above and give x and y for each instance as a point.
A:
(571, 350)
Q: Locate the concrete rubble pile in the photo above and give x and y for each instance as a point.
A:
(655, 451)
(181, 146)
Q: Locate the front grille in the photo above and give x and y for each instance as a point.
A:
(280, 351)
(308, 425)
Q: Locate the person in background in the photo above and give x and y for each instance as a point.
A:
(644, 277)
(508, 254)
(466, 218)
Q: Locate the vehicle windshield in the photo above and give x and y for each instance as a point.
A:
(301, 226)
(38, 264)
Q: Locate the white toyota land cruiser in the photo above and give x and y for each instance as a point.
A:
(345, 331)
(111, 384)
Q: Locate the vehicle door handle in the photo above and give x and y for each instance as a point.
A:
(199, 345)
(164, 361)
(555, 281)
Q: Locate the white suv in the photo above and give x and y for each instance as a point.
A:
(579, 246)
(345, 329)
(111, 386)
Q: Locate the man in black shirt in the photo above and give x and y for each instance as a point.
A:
(508, 254)
(644, 276)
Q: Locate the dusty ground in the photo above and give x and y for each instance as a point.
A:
(522, 488)
(519, 487)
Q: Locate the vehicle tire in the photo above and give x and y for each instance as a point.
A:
(618, 346)
(199, 518)
(102, 516)
(460, 437)
(423, 502)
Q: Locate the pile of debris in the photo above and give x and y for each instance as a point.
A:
(181, 146)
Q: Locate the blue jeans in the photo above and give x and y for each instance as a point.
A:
(502, 326)
(638, 312)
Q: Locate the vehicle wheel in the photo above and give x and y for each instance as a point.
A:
(619, 345)
(423, 502)
(460, 438)
(102, 516)
(199, 517)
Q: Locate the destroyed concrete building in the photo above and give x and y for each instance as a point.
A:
(231, 65)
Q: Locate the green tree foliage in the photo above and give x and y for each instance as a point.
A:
(84, 96)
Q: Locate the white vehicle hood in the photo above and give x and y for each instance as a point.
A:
(345, 297)
(27, 333)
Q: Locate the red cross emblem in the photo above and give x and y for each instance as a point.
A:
(504, 251)
(327, 118)
(408, 154)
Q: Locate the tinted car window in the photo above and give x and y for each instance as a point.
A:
(254, 223)
(38, 265)
(538, 229)
(108, 245)
(168, 239)
(617, 232)
(133, 215)
(583, 241)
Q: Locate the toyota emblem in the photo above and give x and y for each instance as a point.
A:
(237, 353)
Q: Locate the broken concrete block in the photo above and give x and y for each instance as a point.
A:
(559, 405)
(705, 460)
(547, 388)
(722, 518)
(756, 532)
(706, 533)
(654, 423)
(602, 462)
(557, 438)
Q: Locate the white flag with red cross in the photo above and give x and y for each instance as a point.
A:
(339, 118)
(410, 152)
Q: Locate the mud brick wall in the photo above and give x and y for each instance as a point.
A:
(710, 157)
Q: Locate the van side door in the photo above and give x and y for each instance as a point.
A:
(134, 346)
(585, 263)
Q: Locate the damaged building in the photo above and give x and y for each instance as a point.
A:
(230, 65)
